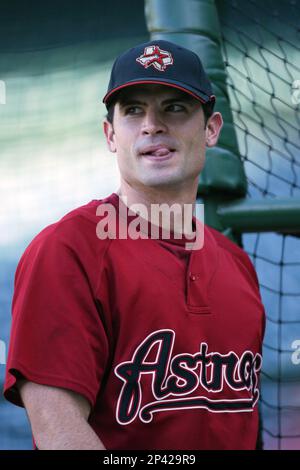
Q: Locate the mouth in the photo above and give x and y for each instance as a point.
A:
(158, 153)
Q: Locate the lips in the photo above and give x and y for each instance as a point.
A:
(158, 151)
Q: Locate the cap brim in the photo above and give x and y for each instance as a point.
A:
(198, 95)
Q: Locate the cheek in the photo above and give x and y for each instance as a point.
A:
(195, 144)
(125, 138)
(125, 150)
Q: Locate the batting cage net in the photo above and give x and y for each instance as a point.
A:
(260, 46)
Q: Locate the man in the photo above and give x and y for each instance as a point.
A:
(141, 341)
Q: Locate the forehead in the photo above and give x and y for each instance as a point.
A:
(149, 91)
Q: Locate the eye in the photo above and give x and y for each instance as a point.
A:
(175, 108)
(133, 110)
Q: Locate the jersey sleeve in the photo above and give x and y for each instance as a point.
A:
(57, 336)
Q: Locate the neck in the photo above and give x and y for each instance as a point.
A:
(180, 202)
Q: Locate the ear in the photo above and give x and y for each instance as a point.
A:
(110, 135)
(213, 129)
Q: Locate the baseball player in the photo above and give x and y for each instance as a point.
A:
(141, 341)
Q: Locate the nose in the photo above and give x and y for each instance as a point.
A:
(153, 123)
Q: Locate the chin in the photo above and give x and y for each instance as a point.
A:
(159, 181)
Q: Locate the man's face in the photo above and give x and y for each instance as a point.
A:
(159, 136)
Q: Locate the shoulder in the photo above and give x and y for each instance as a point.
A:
(235, 252)
(226, 244)
(73, 236)
(75, 225)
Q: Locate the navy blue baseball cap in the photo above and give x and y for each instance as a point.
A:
(164, 63)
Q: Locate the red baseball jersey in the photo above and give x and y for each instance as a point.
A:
(164, 342)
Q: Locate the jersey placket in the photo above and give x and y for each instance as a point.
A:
(201, 268)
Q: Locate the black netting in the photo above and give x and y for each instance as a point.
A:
(261, 52)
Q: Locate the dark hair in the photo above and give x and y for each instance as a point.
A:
(208, 109)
